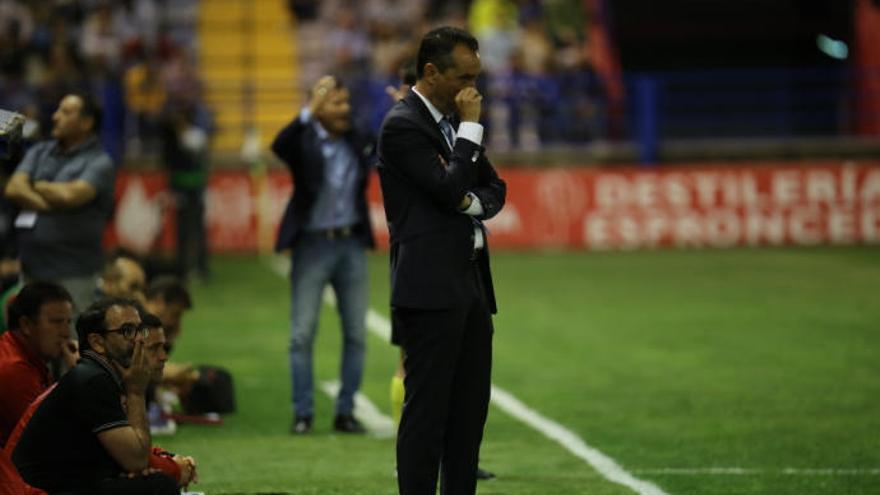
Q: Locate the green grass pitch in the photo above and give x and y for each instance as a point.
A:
(670, 362)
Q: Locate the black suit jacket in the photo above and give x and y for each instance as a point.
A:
(423, 183)
(299, 146)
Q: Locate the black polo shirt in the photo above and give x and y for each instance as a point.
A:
(59, 449)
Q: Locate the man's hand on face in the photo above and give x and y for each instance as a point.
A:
(137, 376)
(70, 353)
(468, 101)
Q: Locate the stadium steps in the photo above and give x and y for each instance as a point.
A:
(248, 60)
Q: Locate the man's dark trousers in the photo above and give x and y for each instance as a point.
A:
(152, 484)
(448, 361)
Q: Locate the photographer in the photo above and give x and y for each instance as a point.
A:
(11, 144)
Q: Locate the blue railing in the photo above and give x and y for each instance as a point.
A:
(759, 103)
(658, 106)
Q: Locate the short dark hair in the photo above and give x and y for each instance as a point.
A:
(170, 289)
(338, 82)
(94, 318)
(437, 46)
(89, 109)
(150, 320)
(31, 298)
(408, 73)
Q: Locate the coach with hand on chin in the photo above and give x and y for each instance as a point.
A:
(438, 186)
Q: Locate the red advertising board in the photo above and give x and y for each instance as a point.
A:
(597, 209)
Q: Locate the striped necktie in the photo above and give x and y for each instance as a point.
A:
(448, 132)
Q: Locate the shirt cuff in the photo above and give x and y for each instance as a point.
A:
(475, 208)
(479, 240)
(471, 131)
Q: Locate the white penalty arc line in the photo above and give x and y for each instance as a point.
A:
(604, 465)
(737, 471)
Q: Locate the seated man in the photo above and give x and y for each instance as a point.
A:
(39, 321)
(201, 389)
(168, 298)
(123, 276)
(181, 468)
(91, 430)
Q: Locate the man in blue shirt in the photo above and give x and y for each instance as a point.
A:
(326, 225)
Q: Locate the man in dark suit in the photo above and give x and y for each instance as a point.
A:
(327, 226)
(438, 186)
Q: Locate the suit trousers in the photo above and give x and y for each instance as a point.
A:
(448, 363)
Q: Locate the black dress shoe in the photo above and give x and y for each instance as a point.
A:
(346, 423)
(301, 425)
(484, 475)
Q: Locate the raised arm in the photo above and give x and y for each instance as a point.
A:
(406, 148)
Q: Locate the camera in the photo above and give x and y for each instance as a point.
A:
(11, 142)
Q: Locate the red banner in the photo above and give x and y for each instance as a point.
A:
(598, 209)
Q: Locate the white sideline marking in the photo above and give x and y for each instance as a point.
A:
(378, 424)
(606, 466)
(736, 471)
(603, 464)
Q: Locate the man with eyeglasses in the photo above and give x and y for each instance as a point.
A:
(91, 430)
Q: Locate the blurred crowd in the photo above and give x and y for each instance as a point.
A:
(137, 54)
(539, 80)
(140, 56)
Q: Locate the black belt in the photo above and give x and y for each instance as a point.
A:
(338, 233)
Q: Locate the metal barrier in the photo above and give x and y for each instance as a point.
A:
(762, 103)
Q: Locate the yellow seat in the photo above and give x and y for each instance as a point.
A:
(248, 46)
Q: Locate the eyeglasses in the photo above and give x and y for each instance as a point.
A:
(130, 330)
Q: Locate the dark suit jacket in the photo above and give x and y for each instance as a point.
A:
(423, 182)
(299, 146)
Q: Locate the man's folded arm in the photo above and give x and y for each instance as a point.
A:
(19, 191)
(490, 189)
(409, 150)
(64, 195)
